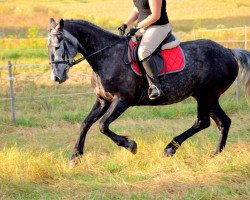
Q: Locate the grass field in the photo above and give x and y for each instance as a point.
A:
(34, 163)
(34, 152)
(110, 13)
(24, 24)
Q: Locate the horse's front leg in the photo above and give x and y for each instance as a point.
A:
(117, 107)
(98, 110)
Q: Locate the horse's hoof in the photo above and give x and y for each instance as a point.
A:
(132, 146)
(215, 154)
(169, 151)
(73, 162)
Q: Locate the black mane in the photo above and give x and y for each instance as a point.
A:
(71, 24)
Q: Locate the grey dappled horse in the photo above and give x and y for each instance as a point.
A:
(210, 70)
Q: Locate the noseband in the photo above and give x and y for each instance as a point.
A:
(74, 62)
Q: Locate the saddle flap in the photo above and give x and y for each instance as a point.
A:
(134, 53)
(158, 62)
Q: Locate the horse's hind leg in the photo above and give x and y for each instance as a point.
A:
(202, 122)
(117, 107)
(98, 110)
(223, 122)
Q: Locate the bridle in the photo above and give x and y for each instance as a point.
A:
(66, 51)
(74, 62)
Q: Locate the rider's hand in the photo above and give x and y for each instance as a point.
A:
(133, 31)
(122, 29)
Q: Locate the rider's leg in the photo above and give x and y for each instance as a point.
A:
(152, 76)
(152, 38)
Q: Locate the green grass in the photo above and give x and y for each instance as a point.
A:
(42, 111)
(35, 151)
(75, 109)
(34, 166)
(24, 53)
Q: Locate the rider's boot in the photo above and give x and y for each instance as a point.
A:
(150, 67)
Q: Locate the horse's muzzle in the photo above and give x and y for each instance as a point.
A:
(59, 76)
(60, 80)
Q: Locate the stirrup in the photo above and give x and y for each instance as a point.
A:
(150, 90)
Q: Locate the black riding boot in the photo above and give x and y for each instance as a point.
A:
(150, 67)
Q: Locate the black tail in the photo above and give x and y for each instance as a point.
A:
(243, 58)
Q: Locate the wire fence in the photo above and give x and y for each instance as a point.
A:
(17, 94)
(238, 37)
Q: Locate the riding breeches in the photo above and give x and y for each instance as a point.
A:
(152, 38)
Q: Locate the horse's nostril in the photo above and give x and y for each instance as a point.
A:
(56, 78)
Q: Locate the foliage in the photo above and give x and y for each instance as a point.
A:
(33, 32)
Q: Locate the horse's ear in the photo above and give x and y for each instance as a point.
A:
(61, 24)
(52, 23)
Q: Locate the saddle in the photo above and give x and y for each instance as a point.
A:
(168, 57)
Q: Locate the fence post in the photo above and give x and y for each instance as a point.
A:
(12, 93)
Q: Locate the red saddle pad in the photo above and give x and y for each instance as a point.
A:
(174, 61)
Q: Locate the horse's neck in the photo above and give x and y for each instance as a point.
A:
(93, 39)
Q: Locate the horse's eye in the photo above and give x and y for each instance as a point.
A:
(57, 45)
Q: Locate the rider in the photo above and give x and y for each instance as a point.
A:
(153, 25)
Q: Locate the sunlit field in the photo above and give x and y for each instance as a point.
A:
(107, 13)
(24, 24)
(35, 151)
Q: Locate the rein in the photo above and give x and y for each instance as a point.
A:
(100, 50)
(83, 57)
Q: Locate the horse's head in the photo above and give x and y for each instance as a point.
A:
(62, 48)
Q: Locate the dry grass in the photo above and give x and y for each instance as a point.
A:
(121, 173)
(37, 163)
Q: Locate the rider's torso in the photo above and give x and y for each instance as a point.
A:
(144, 11)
